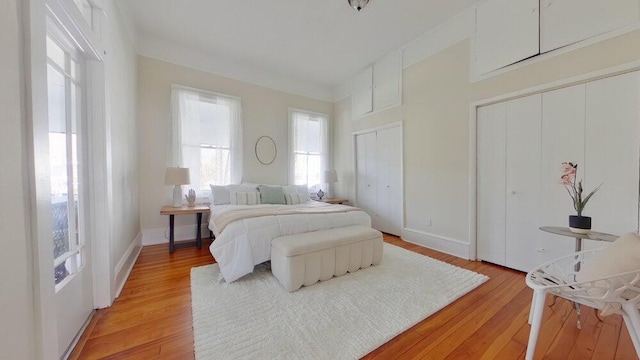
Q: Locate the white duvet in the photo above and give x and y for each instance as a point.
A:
(245, 243)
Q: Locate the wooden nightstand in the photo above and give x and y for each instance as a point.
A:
(334, 201)
(184, 210)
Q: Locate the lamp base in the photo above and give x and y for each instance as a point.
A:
(177, 196)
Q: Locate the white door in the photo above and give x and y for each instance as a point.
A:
(387, 75)
(366, 197)
(390, 201)
(491, 183)
(563, 114)
(506, 32)
(564, 22)
(523, 181)
(67, 154)
(612, 153)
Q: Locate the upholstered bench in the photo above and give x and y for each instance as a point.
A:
(304, 259)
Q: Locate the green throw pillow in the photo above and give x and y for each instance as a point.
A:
(271, 194)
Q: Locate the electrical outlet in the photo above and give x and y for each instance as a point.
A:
(428, 221)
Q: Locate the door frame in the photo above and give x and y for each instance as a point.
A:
(354, 168)
(35, 13)
(538, 89)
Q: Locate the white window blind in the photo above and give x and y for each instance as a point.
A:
(308, 147)
(206, 137)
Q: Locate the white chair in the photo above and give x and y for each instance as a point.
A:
(619, 293)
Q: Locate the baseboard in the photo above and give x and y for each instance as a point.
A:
(436, 242)
(161, 236)
(125, 265)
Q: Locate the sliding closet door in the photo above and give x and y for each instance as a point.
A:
(563, 114)
(491, 186)
(390, 203)
(612, 148)
(522, 181)
(366, 174)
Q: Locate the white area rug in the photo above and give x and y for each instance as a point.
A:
(342, 318)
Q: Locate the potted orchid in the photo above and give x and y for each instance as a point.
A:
(577, 223)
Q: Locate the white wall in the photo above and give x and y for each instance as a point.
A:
(265, 112)
(16, 276)
(437, 95)
(121, 88)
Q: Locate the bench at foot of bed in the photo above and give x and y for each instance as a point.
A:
(305, 259)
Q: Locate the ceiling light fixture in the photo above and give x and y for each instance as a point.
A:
(358, 4)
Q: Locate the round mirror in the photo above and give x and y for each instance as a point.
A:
(266, 150)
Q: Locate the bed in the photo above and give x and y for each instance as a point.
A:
(243, 233)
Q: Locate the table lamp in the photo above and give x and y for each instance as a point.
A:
(177, 176)
(330, 177)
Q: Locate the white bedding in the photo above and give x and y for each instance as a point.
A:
(245, 243)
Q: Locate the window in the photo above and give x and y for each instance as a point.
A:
(64, 89)
(207, 137)
(308, 143)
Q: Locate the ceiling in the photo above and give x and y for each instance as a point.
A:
(281, 43)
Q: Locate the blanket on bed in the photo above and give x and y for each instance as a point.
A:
(223, 219)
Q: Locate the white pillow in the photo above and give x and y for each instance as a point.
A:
(292, 199)
(623, 255)
(247, 198)
(301, 190)
(233, 189)
(220, 195)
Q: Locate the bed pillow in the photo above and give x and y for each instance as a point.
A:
(233, 189)
(301, 190)
(271, 194)
(623, 255)
(292, 199)
(247, 198)
(220, 195)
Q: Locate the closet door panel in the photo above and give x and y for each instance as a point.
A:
(506, 32)
(387, 77)
(522, 181)
(365, 167)
(612, 148)
(363, 93)
(491, 186)
(564, 22)
(390, 202)
(563, 124)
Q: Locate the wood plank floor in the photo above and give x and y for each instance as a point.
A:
(152, 318)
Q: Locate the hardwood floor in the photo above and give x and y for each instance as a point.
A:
(152, 318)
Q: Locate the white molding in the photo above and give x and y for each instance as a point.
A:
(473, 161)
(69, 17)
(219, 65)
(123, 260)
(473, 169)
(45, 327)
(130, 257)
(562, 83)
(379, 128)
(436, 242)
(161, 235)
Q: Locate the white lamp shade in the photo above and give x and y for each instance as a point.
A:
(177, 176)
(330, 177)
